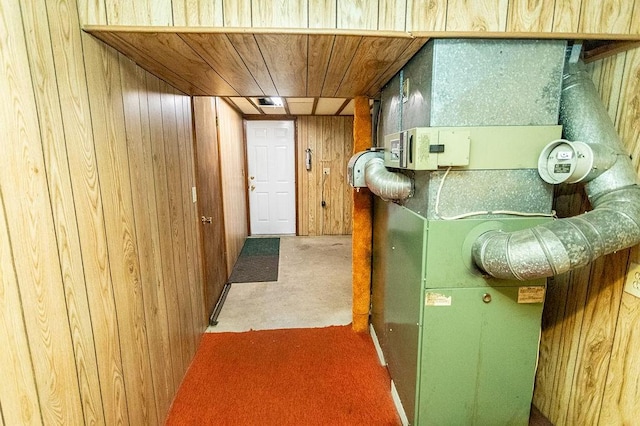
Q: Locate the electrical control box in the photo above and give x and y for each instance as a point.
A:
(472, 148)
(427, 148)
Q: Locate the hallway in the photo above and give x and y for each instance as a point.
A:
(313, 289)
(298, 369)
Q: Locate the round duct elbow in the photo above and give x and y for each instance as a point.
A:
(613, 224)
(386, 184)
(515, 256)
(562, 245)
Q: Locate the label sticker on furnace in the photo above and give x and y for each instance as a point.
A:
(437, 299)
(531, 294)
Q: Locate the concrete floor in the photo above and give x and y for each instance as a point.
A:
(313, 289)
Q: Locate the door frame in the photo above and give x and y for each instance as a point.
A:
(295, 160)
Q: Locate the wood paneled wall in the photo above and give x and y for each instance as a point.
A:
(234, 180)
(589, 16)
(100, 284)
(590, 348)
(331, 141)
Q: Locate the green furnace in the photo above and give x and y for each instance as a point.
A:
(465, 120)
(461, 348)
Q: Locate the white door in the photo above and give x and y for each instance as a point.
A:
(272, 188)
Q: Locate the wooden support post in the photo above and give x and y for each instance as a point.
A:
(362, 224)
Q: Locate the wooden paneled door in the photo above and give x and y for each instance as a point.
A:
(209, 193)
(272, 186)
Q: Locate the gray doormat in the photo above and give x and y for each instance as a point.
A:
(258, 261)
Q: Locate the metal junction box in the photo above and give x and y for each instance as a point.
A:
(472, 148)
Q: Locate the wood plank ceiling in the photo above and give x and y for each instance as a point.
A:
(316, 73)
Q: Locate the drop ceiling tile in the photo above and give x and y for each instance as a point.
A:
(273, 110)
(300, 106)
(329, 106)
(245, 106)
(348, 110)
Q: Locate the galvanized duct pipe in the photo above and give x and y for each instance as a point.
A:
(565, 244)
(386, 184)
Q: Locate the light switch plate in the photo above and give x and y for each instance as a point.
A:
(632, 286)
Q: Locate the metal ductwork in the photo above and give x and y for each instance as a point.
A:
(367, 169)
(613, 224)
(386, 184)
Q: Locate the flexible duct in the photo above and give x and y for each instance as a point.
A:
(565, 244)
(386, 184)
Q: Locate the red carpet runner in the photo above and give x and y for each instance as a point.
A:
(316, 376)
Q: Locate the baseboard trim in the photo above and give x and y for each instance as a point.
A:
(398, 404)
(376, 344)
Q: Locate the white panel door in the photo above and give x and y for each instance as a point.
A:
(272, 186)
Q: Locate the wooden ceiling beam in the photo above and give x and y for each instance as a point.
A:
(607, 49)
(269, 117)
(285, 105)
(257, 106)
(343, 106)
(232, 104)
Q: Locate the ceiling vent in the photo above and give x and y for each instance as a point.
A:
(270, 102)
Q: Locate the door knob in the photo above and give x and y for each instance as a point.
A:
(206, 219)
(253, 187)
